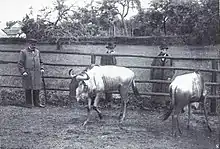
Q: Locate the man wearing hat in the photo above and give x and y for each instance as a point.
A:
(161, 74)
(31, 68)
(109, 60)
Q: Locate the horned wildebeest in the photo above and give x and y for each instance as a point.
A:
(92, 82)
(184, 90)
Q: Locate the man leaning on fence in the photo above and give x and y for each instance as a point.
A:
(161, 74)
(30, 66)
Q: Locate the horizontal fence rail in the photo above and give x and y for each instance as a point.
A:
(66, 89)
(119, 55)
(137, 67)
(137, 81)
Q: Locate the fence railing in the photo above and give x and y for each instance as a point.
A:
(214, 71)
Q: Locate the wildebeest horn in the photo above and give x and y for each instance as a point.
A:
(82, 76)
(71, 74)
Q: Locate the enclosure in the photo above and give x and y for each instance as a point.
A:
(60, 127)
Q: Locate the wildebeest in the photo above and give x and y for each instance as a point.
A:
(95, 80)
(184, 90)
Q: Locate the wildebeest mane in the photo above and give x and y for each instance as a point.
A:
(90, 67)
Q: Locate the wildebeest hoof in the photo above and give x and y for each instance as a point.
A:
(210, 130)
(100, 116)
(187, 126)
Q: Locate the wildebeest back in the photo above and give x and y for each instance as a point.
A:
(108, 77)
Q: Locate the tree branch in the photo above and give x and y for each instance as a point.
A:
(128, 7)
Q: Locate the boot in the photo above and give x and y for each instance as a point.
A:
(28, 98)
(36, 99)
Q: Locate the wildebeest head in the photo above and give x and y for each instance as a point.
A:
(77, 85)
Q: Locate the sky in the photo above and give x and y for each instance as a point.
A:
(17, 9)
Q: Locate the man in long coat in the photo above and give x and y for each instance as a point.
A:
(109, 60)
(30, 66)
(161, 74)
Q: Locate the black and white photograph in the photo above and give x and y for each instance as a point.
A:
(110, 74)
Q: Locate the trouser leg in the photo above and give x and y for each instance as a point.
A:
(36, 98)
(28, 97)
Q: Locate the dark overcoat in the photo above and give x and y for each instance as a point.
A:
(108, 60)
(30, 62)
(161, 74)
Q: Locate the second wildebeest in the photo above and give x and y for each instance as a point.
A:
(184, 90)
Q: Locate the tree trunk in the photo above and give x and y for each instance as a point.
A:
(114, 30)
(124, 27)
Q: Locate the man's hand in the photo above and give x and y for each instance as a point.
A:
(25, 74)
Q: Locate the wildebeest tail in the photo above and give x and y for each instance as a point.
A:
(135, 90)
(172, 95)
(166, 115)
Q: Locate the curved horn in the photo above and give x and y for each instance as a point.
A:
(70, 73)
(83, 76)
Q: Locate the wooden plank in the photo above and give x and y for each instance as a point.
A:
(137, 81)
(136, 67)
(146, 93)
(119, 55)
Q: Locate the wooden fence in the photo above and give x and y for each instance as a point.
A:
(214, 71)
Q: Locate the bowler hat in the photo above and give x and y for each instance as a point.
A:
(32, 40)
(110, 45)
(163, 46)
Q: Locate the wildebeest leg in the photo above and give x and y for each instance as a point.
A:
(174, 125)
(174, 121)
(206, 115)
(178, 126)
(89, 111)
(123, 111)
(188, 115)
(95, 106)
(124, 98)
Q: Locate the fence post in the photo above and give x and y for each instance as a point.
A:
(93, 59)
(213, 102)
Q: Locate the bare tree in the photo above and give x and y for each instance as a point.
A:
(122, 8)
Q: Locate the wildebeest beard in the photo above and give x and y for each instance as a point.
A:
(73, 86)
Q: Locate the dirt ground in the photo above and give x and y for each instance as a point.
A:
(61, 128)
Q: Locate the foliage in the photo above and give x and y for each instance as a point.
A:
(43, 28)
(198, 19)
(120, 8)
